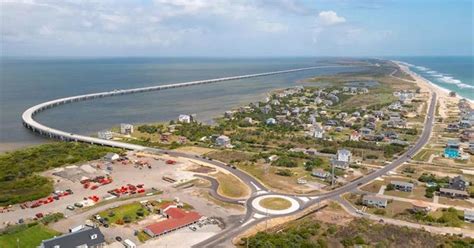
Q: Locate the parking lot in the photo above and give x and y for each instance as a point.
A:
(121, 174)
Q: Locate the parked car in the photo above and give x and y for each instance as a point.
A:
(79, 205)
(70, 207)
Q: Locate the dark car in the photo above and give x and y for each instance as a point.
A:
(118, 238)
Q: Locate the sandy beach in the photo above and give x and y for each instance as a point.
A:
(427, 86)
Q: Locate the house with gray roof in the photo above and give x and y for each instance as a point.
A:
(403, 186)
(374, 201)
(87, 237)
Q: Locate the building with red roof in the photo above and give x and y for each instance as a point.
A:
(177, 218)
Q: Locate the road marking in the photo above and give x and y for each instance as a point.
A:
(305, 199)
(314, 197)
(258, 216)
(248, 222)
(255, 186)
(261, 192)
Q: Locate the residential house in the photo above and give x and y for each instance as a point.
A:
(355, 136)
(403, 186)
(453, 193)
(452, 127)
(344, 155)
(467, 135)
(420, 207)
(396, 122)
(365, 131)
(272, 158)
(229, 114)
(333, 98)
(318, 132)
(395, 106)
(379, 114)
(105, 134)
(267, 109)
(275, 102)
(223, 141)
(320, 173)
(86, 237)
(364, 90)
(374, 201)
(469, 215)
(270, 121)
(126, 128)
(185, 118)
(342, 159)
(458, 183)
(248, 121)
(318, 100)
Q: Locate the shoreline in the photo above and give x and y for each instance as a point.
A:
(441, 91)
(423, 83)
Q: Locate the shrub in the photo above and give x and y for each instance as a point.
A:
(380, 212)
(285, 173)
(127, 219)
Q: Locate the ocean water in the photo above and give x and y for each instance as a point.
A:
(26, 82)
(452, 73)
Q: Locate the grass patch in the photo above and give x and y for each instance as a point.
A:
(18, 182)
(125, 213)
(275, 203)
(230, 186)
(28, 236)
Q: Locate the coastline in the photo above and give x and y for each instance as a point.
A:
(441, 91)
(425, 84)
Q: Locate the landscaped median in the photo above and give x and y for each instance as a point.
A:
(275, 203)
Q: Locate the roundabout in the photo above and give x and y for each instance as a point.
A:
(275, 204)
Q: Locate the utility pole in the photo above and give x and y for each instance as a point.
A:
(332, 181)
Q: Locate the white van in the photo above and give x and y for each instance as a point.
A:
(129, 244)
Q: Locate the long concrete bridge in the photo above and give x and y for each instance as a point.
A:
(31, 123)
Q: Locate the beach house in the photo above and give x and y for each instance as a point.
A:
(374, 201)
(126, 129)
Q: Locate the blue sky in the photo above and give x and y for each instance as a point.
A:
(237, 27)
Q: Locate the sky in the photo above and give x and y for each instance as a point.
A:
(231, 28)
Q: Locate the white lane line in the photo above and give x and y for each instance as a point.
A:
(255, 186)
(248, 222)
(304, 199)
(313, 197)
(258, 216)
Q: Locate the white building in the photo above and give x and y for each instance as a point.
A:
(469, 215)
(126, 128)
(105, 134)
(223, 141)
(271, 121)
(344, 155)
(318, 132)
(375, 201)
(185, 118)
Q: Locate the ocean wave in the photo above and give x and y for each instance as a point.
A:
(443, 78)
(421, 68)
(465, 86)
(450, 80)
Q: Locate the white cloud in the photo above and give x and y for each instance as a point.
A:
(329, 18)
